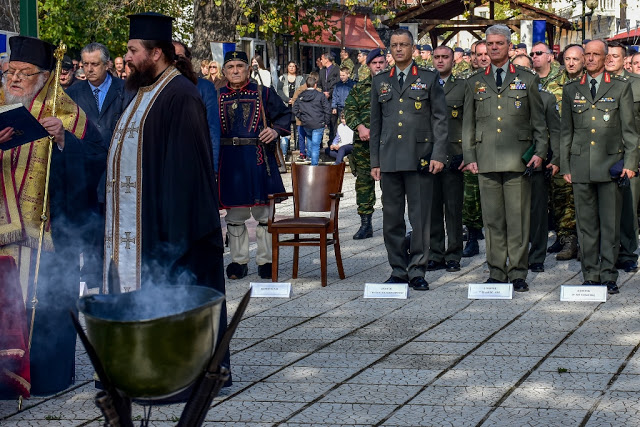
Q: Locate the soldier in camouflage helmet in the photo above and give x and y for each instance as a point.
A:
(357, 113)
(461, 67)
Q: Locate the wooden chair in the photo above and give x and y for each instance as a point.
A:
(315, 189)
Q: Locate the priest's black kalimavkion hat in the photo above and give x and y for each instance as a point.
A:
(150, 26)
(31, 50)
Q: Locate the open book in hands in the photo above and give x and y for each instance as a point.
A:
(26, 128)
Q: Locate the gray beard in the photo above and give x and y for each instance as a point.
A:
(24, 99)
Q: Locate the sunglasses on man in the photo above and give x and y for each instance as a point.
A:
(538, 52)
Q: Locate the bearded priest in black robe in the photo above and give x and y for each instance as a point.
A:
(162, 220)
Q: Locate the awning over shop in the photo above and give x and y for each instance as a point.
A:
(359, 32)
(626, 35)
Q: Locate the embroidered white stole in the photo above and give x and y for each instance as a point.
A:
(123, 226)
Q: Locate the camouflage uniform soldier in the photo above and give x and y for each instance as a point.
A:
(363, 70)
(357, 112)
(561, 200)
(425, 53)
(462, 67)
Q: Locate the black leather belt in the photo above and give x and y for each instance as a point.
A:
(239, 141)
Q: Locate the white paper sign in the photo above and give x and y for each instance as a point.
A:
(386, 290)
(270, 290)
(583, 293)
(490, 291)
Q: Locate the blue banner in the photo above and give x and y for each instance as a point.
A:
(539, 30)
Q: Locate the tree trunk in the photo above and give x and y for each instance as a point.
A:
(213, 24)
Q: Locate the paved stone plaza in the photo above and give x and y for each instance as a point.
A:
(326, 356)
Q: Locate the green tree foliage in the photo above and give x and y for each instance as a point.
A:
(79, 22)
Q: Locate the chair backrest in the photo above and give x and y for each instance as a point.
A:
(313, 184)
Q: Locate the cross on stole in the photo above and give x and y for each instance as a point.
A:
(127, 240)
(128, 184)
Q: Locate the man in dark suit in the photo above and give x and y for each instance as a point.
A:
(503, 119)
(329, 77)
(408, 131)
(598, 131)
(103, 98)
(448, 186)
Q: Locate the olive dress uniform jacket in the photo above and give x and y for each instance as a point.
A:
(597, 133)
(499, 126)
(418, 110)
(454, 92)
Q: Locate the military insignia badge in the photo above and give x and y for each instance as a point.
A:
(418, 86)
(418, 105)
(384, 88)
(480, 89)
(454, 113)
(424, 162)
(518, 104)
(606, 117)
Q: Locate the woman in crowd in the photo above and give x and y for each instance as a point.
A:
(264, 73)
(215, 75)
(204, 69)
(288, 83)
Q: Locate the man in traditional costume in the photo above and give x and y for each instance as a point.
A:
(77, 155)
(248, 170)
(162, 221)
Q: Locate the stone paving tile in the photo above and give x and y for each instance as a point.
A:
(366, 393)
(417, 361)
(303, 333)
(532, 335)
(241, 411)
(531, 417)
(513, 349)
(339, 360)
(633, 365)
(604, 336)
(283, 392)
(280, 345)
(349, 345)
(468, 395)
(343, 413)
(333, 322)
(395, 376)
(312, 374)
(617, 408)
(567, 380)
(73, 405)
(431, 347)
(242, 373)
(498, 363)
(627, 382)
(423, 415)
(533, 397)
(464, 378)
(258, 358)
(587, 365)
(593, 350)
(243, 343)
(381, 333)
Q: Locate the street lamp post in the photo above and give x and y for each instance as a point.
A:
(591, 4)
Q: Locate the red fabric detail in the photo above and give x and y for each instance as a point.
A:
(583, 79)
(488, 70)
(14, 336)
(393, 72)
(607, 77)
(512, 69)
(414, 70)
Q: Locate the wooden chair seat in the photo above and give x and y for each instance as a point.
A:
(315, 189)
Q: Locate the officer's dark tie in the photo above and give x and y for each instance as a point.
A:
(441, 81)
(96, 91)
(593, 88)
(499, 72)
(401, 79)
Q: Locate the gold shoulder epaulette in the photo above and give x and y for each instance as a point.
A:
(531, 70)
(623, 78)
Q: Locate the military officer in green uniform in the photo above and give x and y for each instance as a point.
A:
(363, 69)
(627, 258)
(448, 185)
(539, 228)
(425, 54)
(598, 130)
(357, 113)
(408, 146)
(503, 118)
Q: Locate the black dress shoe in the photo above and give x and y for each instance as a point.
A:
(536, 267)
(590, 283)
(556, 247)
(627, 266)
(419, 284)
(264, 271)
(237, 271)
(492, 280)
(612, 288)
(395, 279)
(453, 266)
(519, 285)
(436, 265)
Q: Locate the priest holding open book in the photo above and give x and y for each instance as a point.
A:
(77, 153)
